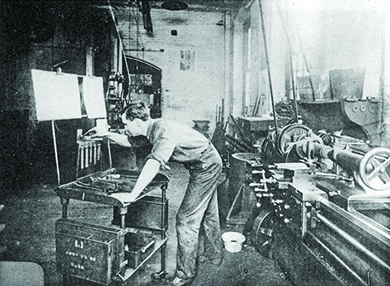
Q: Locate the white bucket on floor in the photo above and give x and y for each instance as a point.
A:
(233, 241)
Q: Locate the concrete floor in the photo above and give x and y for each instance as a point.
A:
(30, 217)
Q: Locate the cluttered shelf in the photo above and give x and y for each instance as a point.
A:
(97, 187)
(142, 256)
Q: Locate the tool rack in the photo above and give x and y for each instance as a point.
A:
(97, 253)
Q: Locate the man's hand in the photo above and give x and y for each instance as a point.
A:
(147, 174)
(97, 132)
(125, 197)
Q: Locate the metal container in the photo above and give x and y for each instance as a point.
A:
(138, 247)
(148, 212)
(238, 179)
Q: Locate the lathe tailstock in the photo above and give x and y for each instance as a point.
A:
(322, 208)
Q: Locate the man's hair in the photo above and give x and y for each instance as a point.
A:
(136, 110)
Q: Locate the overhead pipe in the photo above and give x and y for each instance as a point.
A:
(121, 46)
(268, 68)
(291, 62)
(303, 54)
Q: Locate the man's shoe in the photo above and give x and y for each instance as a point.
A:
(181, 281)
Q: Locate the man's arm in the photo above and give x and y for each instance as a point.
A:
(120, 139)
(149, 171)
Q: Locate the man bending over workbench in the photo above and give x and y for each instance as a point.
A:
(172, 141)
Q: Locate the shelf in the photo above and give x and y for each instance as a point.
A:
(128, 272)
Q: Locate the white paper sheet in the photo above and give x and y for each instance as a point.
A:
(57, 96)
(93, 95)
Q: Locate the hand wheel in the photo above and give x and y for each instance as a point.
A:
(374, 169)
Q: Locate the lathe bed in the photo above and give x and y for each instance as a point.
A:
(322, 228)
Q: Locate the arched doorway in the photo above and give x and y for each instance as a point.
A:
(144, 83)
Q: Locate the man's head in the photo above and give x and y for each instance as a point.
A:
(136, 110)
(136, 118)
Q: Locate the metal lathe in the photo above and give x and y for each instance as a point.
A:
(322, 207)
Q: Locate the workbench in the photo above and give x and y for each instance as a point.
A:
(113, 253)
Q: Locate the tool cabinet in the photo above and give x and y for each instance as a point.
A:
(111, 254)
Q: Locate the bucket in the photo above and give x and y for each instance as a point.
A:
(233, 241)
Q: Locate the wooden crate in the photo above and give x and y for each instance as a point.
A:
(90, 252)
